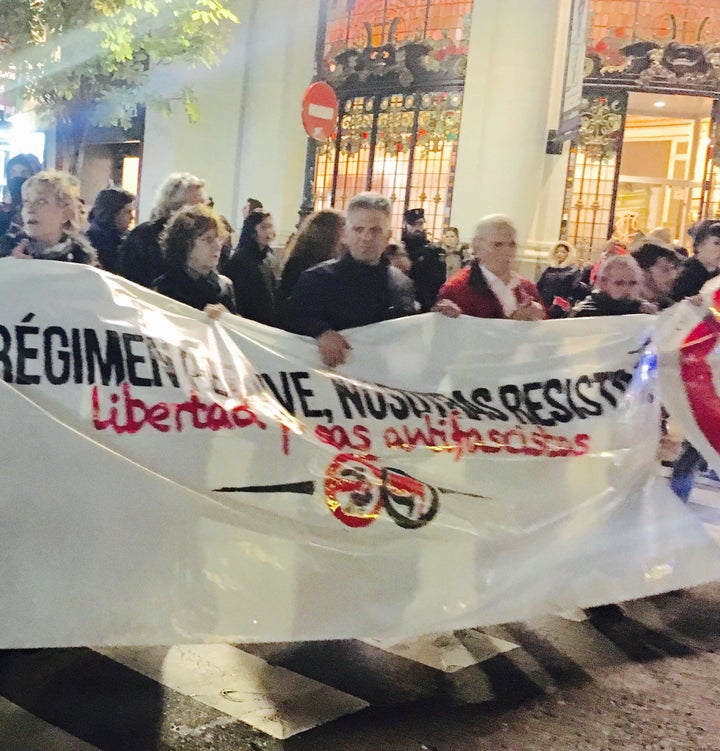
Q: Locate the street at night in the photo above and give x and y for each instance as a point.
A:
(641, 677)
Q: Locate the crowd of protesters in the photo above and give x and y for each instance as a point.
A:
(342, 269)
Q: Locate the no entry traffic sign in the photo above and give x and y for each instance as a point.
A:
(319, 111)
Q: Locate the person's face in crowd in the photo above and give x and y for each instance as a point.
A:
(204, 255)
(708, 252)
(195, 195)
(561, 253)
(620, 283)
(124, 217)
(368, 231)
(663, 274)
(450, 240)
(495, 249)
(416, 229)
(44, 218)
(265, 232)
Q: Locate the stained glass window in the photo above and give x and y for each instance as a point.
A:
(398, 67)
(616, 23)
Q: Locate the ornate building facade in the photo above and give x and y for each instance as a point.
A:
(647, 153)
(398, 68)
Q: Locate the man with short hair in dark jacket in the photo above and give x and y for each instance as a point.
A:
(358, 289)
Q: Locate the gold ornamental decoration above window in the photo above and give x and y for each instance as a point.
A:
(438, 121)
(600, 127)
(397, 65)
(657, 49)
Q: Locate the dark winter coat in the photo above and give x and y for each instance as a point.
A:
(601, 304)
(345, 293)
(563, 282)
(290, 274)
(106, 241)
(140, 258)
(251, 273)
(690, 280)
(428, 270)
(196, 291)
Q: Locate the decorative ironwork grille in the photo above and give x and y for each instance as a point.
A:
(589, 207)
(705, 203)
(403, 146)
(400, 103)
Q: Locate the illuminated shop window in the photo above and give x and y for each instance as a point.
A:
(648, 152)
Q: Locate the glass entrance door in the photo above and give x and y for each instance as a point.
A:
(664, 179)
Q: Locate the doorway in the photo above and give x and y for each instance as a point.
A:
(662, 180)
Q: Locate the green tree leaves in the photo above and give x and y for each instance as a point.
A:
(88, 62)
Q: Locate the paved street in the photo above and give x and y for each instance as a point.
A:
(643, 677)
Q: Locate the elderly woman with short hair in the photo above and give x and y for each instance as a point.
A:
(192, 242)
(140, 258)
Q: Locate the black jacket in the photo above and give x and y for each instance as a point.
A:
(106, 241)
(601, 304)
(343, 294)
(252, 276)
(428, 270)
(140, 258)
(291, 272)
(561, 281)
(196, 292)
(691, 279)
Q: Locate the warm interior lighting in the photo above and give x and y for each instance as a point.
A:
(131, 173)
(659, 103)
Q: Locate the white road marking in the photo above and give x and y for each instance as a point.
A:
(271, 699)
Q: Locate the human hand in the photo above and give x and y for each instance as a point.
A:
(215, 310)
(19, 249)
(648, 307)
(447, 308)
(333, 348)
(528, 310)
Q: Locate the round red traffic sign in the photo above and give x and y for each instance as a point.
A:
(319, 111)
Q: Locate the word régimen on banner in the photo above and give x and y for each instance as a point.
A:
(29, 355)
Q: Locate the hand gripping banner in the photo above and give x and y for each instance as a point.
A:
(168, 479)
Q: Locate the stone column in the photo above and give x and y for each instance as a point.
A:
(250, 140)
(272, 141)
(501, 152)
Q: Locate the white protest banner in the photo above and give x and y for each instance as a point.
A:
(167, 478)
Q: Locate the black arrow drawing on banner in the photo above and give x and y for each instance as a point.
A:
(308, 488)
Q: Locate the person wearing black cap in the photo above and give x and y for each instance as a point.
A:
(428, 263)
